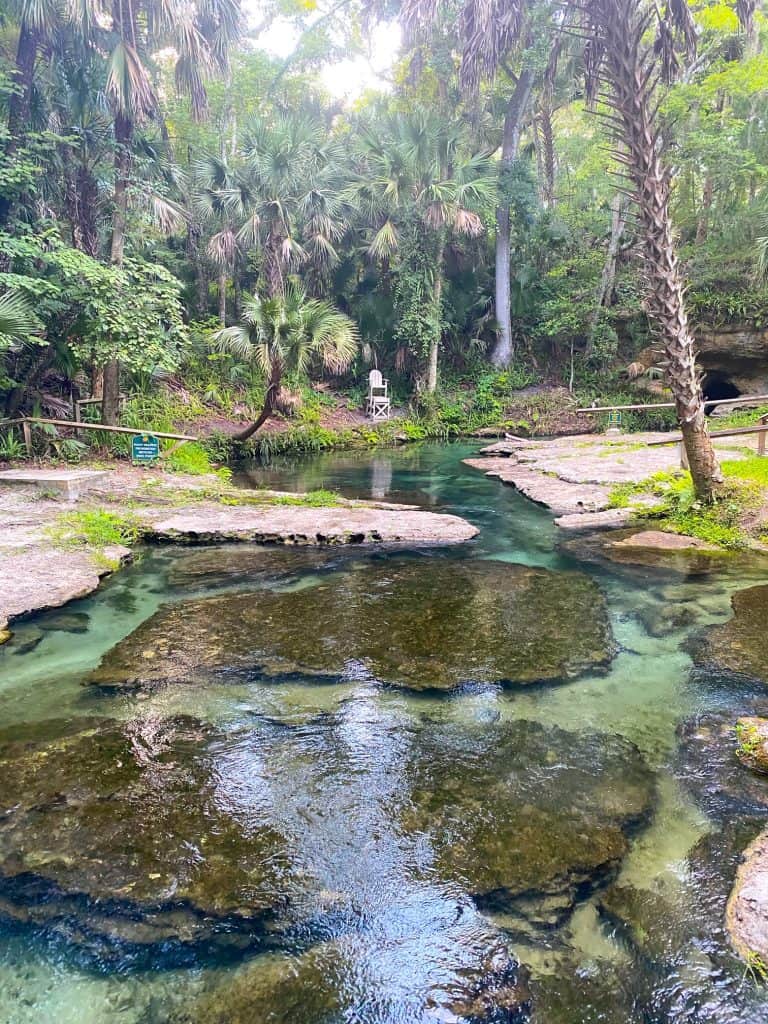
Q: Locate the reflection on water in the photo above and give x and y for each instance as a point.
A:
(280, 849)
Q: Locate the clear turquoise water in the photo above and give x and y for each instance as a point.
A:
(594, 968)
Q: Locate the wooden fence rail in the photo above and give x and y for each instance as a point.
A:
(744, 400)
(26, 423)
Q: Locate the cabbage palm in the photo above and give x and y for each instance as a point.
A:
(415, 170)
(37, 20)
(17, 321)
(286, 197)
(285, 333)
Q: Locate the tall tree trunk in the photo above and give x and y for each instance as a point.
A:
(629, 68)
(192, 247)
(702, 225)
(110, 405)
(518, 104)
(434, 345)
(20, 101)
(608, 276)
(81, 199)
(223, 298)
(270, 399)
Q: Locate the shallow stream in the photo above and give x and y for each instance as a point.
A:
(557, 851)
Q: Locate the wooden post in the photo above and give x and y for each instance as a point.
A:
(27, 437)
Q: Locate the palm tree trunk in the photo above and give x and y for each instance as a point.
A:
(110, 405)
(267, 408)
(20, 101)
(631, 82)
(516, 108)
(223, 298)
(437, 299)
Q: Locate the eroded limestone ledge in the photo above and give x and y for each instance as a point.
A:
(46, 577)
(575, 476)
(343, 524)
(41, 569)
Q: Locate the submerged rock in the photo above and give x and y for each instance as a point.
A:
(228, 564)
(752, 742)
(116, 835)
(527, 818)
(741, 644)
(343, 980)
(159, 841)
(637, 551)
(708, 768)
(423, 624)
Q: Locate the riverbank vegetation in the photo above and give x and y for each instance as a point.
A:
(167, 186)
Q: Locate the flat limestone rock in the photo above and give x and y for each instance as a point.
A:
(121, 826)
(752, 745)
(609, 519)
(562, 497)
(619, 547)
(288, 524)
(224, 564)
(746, 914)
(741, 644)
(660, 541)
(423, 624)
(522, 814)
(46, 577)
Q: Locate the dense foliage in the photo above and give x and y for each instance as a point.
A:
(159, 169)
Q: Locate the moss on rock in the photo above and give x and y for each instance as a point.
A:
(421, 624)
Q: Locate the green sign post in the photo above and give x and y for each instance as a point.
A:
(145, 448)
(614, 419)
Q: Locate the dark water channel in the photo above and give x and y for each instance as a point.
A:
(476, 785)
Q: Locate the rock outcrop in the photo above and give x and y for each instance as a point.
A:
(747, 911)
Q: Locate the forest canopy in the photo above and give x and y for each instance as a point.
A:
(463, 216)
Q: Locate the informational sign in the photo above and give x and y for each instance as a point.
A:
(614, 419)
(145, 448)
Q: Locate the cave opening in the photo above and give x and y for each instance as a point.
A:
(716, 388)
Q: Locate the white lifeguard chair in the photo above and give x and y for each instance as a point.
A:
(378, 403)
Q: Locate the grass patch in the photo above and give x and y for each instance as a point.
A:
(753, 468)
(312, 499)
(668, 499)
(96, 528)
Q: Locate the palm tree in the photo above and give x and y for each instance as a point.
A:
(417, 171)
(17, 321)
(211, 213)
(200, 33)
(286, 197)
(630, 60)
(37, 19)
(285, 333)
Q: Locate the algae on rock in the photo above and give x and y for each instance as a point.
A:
(426, 623)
